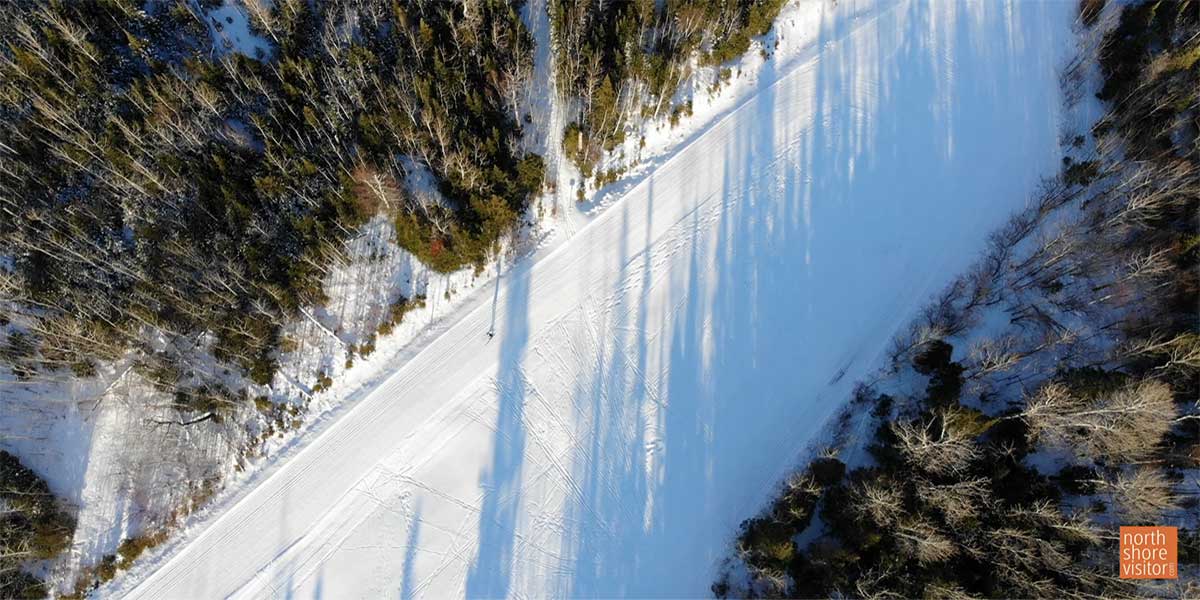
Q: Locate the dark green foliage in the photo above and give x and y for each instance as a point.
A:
(1189, 546)
(945, 385)
(768, 539)
(32, 526)
(1011, 433)
(1077, 479)
(107, 569)
(611, 52)
(131, 548)
(933, 357)
(1017, 484)
(397, 311)
(945, 376)
(828, 471)
(1081, 173)
(883, 406)
(15, 583)
(883, 447)
(820, 569)
(323, 382)
(756, 21)
(216, 399)
(1092, 382)
(1151, 73)
(962, 421)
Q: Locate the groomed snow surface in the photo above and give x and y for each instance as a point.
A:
(654, 375)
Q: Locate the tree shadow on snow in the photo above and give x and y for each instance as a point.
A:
(840, 211)
(861, 183)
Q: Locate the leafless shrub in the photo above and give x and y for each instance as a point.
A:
(1076, 527)
(1020, 554)
(942, 590)
(993, 355)
(872, 585)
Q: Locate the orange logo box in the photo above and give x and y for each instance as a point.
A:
(1149, 553)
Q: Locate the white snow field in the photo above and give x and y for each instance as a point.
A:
(654, 375)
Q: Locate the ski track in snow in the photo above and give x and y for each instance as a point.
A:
(653, 376)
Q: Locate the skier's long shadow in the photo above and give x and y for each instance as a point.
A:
(407, 573)
(490, 574)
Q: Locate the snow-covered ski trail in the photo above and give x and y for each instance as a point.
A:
(654, 374)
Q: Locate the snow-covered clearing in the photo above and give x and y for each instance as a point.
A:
(653, 375)
(230, 30)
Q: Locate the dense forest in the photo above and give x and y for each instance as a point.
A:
(623, 60)
(33, 525)
(153, 182)
(1050, 394)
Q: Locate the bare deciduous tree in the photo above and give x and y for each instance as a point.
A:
(959, 501)
(935, 446)
(880, 501)
(921, 540)
(1124, 425)
(1141, 496)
